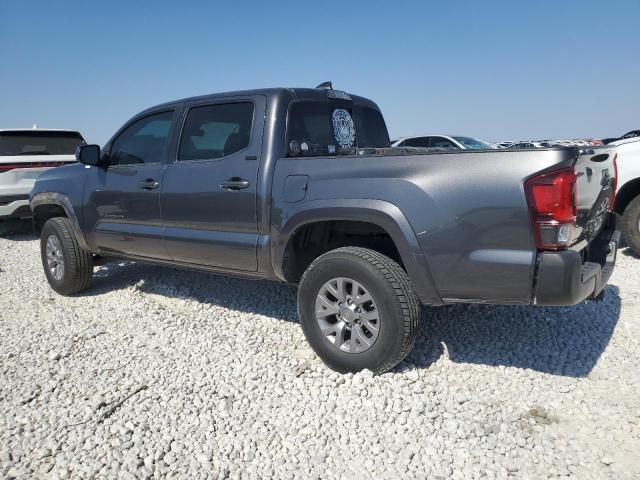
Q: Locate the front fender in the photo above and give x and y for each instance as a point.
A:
(383, 214)
(54, 198)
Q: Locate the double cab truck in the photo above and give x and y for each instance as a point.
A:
(301, 185)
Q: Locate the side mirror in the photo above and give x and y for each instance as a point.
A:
(89, 155)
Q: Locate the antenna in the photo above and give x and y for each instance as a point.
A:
(325, 86)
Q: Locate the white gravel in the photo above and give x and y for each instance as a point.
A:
(158, 372)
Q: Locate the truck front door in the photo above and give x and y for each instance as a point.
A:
(208, 194)
(121, 210)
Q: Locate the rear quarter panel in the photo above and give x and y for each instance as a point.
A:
(467, 210)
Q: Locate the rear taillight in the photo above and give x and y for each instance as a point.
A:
(12, 166)
(551, 198)
(614, 185)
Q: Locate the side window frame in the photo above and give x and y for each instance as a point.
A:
(224, 101)
(136, 119)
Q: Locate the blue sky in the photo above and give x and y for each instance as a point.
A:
(495, 69)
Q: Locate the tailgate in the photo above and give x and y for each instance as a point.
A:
(595, 185)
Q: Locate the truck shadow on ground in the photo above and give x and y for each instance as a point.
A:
(557, 340)
(17, 230)
(561, 341)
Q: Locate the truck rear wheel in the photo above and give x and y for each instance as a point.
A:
(68, 268)
(631, 225)
(358, 310)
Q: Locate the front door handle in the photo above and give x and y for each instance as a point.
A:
(149, 184)
(235, 183)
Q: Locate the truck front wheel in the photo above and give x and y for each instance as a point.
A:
(631, 225)
(358, 310)
(68, 268)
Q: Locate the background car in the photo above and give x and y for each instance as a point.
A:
(25, 154)
(631, 134)
(453, 142)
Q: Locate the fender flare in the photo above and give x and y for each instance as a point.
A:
(379, 212)
(54, 198)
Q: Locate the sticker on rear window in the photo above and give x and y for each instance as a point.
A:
(343, 128)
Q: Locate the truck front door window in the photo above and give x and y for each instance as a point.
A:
(143, 141)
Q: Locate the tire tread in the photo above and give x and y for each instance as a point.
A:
(78, 262)
(398, 279)
(630, 230)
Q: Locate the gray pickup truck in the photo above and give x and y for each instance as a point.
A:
(302, 186)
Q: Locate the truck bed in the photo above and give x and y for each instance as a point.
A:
(474, 230)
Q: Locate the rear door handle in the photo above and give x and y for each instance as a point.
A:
(149, 184)
(235, 183)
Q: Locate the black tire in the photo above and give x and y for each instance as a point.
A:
(388, 284)
(631, 225)
(78, 264)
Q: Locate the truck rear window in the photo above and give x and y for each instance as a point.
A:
(328, 128)
(39, 143)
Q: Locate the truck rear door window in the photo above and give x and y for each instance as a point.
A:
(216, 131)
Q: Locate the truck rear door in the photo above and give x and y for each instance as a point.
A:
(208, 193)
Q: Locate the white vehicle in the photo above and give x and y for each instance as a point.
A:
(24, 154)
(453, 142)
(505, 144)
(628, 195)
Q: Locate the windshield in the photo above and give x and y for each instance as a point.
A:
(330, 128)
(472, 143)
(39, 143)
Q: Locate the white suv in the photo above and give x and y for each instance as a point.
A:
(628, 196)
(24, 154)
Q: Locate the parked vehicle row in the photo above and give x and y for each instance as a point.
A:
(301, 186)
(547, 143)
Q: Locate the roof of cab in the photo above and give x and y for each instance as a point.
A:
(285, 93)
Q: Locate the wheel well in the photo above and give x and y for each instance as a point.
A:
(42, 213)
(626, 194)
(313, 239)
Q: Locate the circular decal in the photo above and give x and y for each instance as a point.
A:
(343, 128)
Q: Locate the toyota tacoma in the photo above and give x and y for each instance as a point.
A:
(301, 185)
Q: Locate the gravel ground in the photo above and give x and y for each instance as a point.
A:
(157, 372)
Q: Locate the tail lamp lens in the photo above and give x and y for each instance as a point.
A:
(614, 186)
(551, 199)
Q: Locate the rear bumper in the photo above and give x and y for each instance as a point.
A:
(15, 186)
(570, 277)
